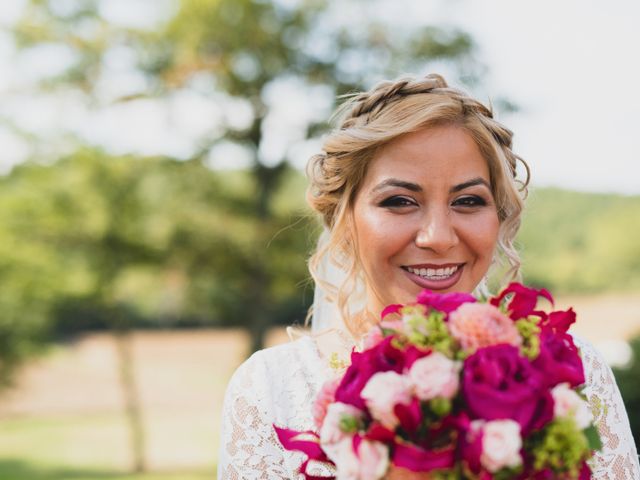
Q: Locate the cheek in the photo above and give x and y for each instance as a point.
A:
(482, 236)
(379, 237)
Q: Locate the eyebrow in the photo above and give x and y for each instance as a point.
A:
(471, 183)
(414, 187)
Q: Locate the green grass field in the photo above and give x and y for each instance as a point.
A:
(19, 470)
(78, 447)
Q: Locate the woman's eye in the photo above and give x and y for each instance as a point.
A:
(397, 202)
(470, 201)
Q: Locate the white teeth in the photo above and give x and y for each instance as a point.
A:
(432, 273)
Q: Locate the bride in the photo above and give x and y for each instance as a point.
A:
(417, 188)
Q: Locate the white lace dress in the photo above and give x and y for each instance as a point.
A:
(278, 384)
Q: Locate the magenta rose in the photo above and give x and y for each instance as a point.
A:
(383, 357)
(559, 360)
(444, 302)
(499, 383)
(416, 459)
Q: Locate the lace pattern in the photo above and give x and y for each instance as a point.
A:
(278, 384)
(618, 459)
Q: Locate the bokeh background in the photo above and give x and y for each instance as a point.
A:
(153, 228)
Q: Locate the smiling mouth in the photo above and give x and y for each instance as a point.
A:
(434, 272)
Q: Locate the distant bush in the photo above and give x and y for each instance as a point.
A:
(573, 242)
(628, 380)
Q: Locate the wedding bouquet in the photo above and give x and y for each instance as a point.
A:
(457, 388)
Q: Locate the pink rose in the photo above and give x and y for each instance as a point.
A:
(478, 325)
(397, 325)
(501, 444)
(435, 376)
(375, 335)
(372, 338)
(383, 392)
(330, 431)
(567, 403)
(326, 396)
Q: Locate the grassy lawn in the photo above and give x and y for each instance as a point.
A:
(77, 448)
(19, 470)
(66, 418)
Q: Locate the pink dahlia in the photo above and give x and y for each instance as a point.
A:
(478, 325)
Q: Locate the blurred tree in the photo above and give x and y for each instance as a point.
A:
(239, 52)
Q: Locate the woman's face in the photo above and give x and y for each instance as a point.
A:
(425, 217)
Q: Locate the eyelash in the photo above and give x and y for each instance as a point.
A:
(469, 201)
(396, 202)
(476, 201)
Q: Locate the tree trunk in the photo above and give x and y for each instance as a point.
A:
(124, 344)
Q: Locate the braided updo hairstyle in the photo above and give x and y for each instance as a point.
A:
(369, 120)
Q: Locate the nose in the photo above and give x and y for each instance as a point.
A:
(437, 232)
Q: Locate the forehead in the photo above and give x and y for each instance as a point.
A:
(442, 155)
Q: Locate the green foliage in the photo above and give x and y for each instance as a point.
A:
(581, 242)
(528, 329)
(627, 380)
(560, 446)
(93, 241)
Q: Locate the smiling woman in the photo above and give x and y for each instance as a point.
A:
(429, 164)
(417, 188)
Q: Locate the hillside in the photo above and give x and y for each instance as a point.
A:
(581, 242)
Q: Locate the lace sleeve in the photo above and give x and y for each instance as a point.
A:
(249, 448)
(618, 459)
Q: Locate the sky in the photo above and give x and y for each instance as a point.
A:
(572, 67)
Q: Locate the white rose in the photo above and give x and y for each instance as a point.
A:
(501, 444)
(330, 432)
(369, 463)
(383, 392)
(435, 376)
(374, 459)
(567, 403)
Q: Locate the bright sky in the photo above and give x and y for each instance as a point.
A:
(572, 67)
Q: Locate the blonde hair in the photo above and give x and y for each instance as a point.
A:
(369, 120)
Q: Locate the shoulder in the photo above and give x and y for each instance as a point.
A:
(301, 352)
(280, 383)
(294, 364)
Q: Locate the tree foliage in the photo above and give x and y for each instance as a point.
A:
(94, 239)
(236, 52)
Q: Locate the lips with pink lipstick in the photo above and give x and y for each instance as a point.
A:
(434, 276)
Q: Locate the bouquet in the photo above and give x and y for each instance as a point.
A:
(451, 387)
